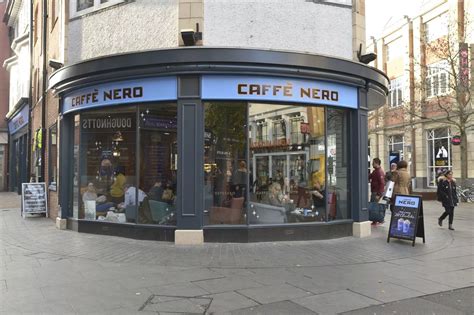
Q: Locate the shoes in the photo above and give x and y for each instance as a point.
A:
(440, 222)
(451, 227)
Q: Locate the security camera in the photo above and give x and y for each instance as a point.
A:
(55, 64)
(190, 37)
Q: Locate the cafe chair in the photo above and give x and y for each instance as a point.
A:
(159, 211)
(227, 215)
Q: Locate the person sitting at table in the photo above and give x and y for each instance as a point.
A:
(156, 192)
(100, 201)
(275, 195)
(318, 195)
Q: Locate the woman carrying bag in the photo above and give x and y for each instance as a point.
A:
(448, 197)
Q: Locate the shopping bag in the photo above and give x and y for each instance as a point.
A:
(376, 212)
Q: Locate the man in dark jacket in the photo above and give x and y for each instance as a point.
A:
(377, 189)
(448, 196)
(377, 181)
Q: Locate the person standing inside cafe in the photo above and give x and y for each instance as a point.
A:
(448, 196)
(377, 181)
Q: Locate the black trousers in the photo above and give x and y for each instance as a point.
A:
(448, 211)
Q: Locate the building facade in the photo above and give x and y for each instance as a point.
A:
(4, 91)
(428, 117)
(17, 18)
(243, 144)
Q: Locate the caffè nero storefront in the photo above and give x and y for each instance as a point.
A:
(241, 145)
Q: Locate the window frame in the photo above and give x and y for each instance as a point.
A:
(396, 85)
(392, 142)
(433, 81)
(440, 30)
(73, 12)
(431, 165)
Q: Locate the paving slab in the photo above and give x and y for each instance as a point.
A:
(184, 289)
(335, 302)
(229, 301)
(277, 308)
(274, 293)
(227, 284)
(40, 265)
(461, 299)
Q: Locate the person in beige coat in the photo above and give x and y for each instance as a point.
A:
(402, 179)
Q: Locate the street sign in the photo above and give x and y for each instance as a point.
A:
(407, 221)
(33, 199)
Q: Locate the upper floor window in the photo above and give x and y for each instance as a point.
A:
(436, 28)
(394, 49)
(262, 131)
(437, 79)
(81, 7)
(395, 97)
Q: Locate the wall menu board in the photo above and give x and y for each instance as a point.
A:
(34, 198)
(407, 219)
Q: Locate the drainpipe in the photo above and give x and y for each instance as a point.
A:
(43, 92)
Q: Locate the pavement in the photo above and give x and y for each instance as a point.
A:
(48, 271)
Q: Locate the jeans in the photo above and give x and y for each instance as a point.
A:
(448, 211)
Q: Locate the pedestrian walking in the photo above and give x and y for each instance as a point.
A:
(389, 175)
(402, 179)
(377, 189)
(448, 197)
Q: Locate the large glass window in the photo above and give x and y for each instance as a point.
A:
(123, 176)
(158, 164)
(439, 153)
(107, 175)
(225, 163)
(288, 179)
(337, 164)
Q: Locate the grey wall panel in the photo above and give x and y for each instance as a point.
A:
(190, 167)
(359, 145)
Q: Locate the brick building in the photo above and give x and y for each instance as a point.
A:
(422, 120)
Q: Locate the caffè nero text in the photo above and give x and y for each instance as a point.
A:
(108, 95)
(287, 90)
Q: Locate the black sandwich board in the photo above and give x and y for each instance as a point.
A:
(407, 219)
(33, 199)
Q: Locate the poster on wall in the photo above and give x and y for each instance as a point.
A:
(33, 199)
(407, 221)
(441, 158)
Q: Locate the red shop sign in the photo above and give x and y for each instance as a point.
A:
(456, 140)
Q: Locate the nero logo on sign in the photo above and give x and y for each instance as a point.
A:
(410, 202)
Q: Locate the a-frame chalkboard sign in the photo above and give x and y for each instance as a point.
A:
(407, 221)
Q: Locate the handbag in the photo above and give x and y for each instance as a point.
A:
(376, 212)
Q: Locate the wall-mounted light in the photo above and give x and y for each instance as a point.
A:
(190, 37)
(55, 64)
(366, 58)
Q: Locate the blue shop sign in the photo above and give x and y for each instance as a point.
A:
(122, 92)
(281, 89)
(406, 201)
(21, 119)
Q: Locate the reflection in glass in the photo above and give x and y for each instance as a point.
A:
(107, 181)
(75, 180)
(158, 164)
(226, 174)
(288, 168)
(337, 164)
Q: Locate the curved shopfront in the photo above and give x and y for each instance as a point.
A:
(244, 145)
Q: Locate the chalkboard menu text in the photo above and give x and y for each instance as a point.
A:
(34, 199)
